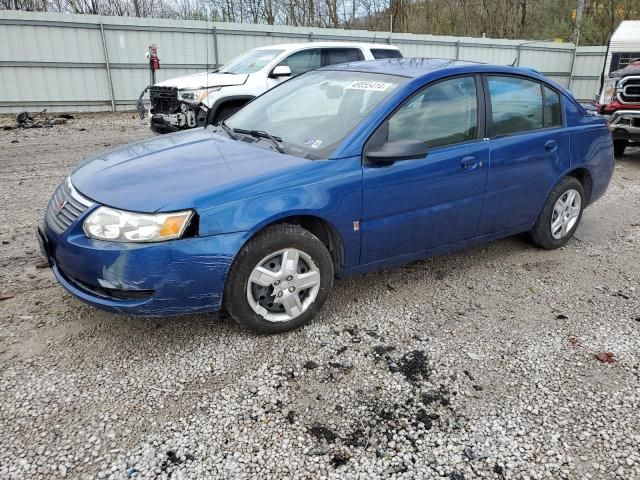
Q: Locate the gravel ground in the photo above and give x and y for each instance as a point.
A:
(479, 364)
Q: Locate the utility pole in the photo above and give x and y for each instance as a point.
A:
(576, 30)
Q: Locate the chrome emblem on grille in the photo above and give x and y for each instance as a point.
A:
(61, 206)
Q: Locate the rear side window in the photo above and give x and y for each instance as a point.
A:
(552, 108)
(303, 61)
(379, 53)
(343, 55)
(442, 114)
(516, 105)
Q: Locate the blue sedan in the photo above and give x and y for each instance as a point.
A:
(340, 171)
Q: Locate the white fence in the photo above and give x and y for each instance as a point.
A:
(90, 63)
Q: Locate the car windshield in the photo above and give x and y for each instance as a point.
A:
(311, 114)
(250, 62)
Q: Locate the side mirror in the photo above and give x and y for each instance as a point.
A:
(281, 71)
(390, 152)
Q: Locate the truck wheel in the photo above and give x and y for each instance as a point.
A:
(619, 146)
(279, 280)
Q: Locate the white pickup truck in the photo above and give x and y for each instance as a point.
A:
(210, 97)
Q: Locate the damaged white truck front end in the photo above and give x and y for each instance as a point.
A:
(184, 102)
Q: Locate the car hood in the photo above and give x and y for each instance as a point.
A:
(177, 171)
(204, 79)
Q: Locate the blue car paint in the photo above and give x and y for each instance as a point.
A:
(237, 189)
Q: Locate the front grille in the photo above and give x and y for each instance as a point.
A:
(65, 207)
(629, 90)
(164, 100)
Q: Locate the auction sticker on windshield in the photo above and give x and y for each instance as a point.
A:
(368, 85)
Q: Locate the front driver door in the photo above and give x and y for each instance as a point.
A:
(415, 205)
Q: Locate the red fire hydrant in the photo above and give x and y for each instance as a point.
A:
(154, 62)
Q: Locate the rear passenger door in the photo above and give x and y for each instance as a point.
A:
(334, 55)
(529, 150)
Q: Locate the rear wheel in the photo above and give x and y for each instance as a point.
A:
(560, 215)
(279, 280)
(619, 146)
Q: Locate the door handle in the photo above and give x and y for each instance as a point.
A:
(470, 163)
(550, 145)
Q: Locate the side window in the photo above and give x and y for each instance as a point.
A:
(552, 110)
(516, 105)
(442, 114)
(303, 61)
(379, 53)
(342, 55)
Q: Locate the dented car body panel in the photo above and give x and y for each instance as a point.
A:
(379, 215)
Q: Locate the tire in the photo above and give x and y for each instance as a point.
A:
(225, 112)
(619, 146)
(256, 305)
(543, 233)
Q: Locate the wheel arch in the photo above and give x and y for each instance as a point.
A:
(224, 101)
(583, 175)
(326, 232)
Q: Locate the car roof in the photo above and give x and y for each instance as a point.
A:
(295, 46)
(419, 67)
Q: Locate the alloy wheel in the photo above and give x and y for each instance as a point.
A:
(565, 213)
(283, 285)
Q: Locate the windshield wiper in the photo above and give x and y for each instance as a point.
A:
(276, 141)
(228, 130)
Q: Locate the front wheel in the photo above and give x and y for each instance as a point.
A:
(560, 215)
(279, 280)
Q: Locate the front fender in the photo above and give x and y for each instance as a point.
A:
(336, 198)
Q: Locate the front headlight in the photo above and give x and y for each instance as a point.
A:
(196, 96)
(120, 226)
(608, 91)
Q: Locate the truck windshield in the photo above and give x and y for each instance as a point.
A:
(250, 62)
(313, 113)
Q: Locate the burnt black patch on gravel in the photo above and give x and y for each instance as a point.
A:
(381, 350)
(456, 476)
(291, 417)
(441, 396)
(172, 459)
(321, 432)
(426, 418)
(339, 460)
(413, 366)
(310, 365)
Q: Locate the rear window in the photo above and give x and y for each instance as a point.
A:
(343, 55)
(379, 53)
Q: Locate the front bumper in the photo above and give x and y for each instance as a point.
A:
(186, 116)
(146, 279)
(625, 125)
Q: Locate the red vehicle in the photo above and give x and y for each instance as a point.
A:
(619, 99)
